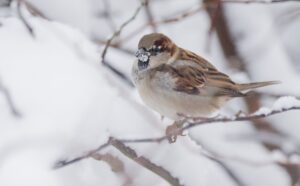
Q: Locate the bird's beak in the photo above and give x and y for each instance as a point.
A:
(142, 55)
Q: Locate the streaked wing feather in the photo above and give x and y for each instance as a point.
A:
(203, 81)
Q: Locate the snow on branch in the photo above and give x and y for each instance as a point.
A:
(131, 154)
(141, 160)
(282, 105)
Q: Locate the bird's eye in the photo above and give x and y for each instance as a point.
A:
(155, 50)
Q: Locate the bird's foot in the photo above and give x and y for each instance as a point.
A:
(174, 130)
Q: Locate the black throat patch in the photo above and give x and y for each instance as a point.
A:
(143, 64)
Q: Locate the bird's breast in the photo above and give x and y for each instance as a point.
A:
(171, 103)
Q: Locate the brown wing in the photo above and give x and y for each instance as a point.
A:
(216, 83)
(198, 81)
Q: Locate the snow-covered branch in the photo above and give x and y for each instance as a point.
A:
(146, 163)
(131, 154)
(282, 105)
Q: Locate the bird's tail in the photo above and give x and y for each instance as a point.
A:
(249, 86)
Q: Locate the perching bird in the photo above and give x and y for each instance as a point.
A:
(174, 81)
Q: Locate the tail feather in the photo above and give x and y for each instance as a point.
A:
(249, 86)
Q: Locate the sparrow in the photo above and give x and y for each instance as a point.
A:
(176, 82)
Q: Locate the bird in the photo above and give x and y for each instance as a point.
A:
(176, 82)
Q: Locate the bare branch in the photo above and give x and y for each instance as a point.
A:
(211, 155)
(146, 163)
(23, 19)
(115, 46)
(115, 163)
(130, 153)
(241, 118)
(63, 163)
(118, 32)
(150, 16)
(34, 10)
(108, 15)
(116, 166)
(15, 112)
(172, 19)
(120, 74)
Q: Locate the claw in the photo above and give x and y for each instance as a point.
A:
(174, 130)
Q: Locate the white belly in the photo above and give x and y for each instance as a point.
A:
(171, 103)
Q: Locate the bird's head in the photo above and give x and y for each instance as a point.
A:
(155, 49)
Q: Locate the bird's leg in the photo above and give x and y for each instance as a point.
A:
(174, 130)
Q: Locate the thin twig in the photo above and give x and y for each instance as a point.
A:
(210, 155)
(130, 153)
(23, 19)
(146, 163)
(108, 15)
(118, 32)
(15, 112)
(192, 12)
(241, 118)
(63, 163)
(170, 20)
(120, 74)
(115, 46)
(34, 10)
(149, 15)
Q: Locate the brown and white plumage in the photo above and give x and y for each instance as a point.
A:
(173, 81)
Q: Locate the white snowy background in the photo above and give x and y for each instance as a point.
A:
(68, 103)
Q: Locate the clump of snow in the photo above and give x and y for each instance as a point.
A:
(285, 103)
(280, 104)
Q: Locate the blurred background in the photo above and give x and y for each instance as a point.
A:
(65, 88)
